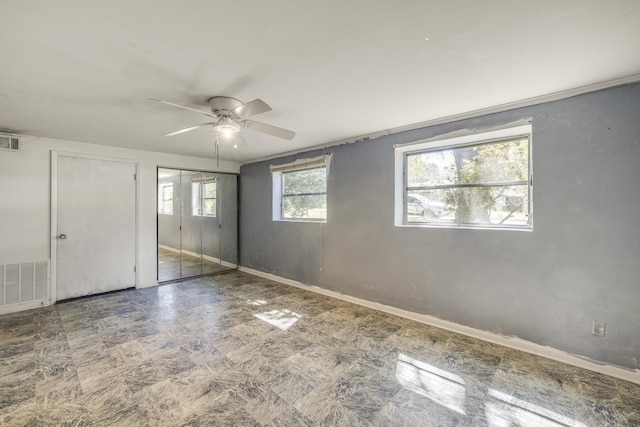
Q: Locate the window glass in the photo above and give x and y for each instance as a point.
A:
(483, 163)
(484, 183)
(304, 194)
(165, 199)
(203, 198)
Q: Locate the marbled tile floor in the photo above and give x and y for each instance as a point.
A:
(238, 350)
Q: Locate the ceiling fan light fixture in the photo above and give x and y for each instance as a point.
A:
(227, 126)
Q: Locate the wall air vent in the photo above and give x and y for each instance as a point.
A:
(9, 142)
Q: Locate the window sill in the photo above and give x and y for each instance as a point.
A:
(465, 227)
(310, 221)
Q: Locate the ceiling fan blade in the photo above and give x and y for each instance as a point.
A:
(251, 108)
(206, 113)
(177, 132)
(269, 129)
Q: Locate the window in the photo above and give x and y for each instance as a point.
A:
(304, 194)
(480, 181)
(300, 190)
(203, 198)
(165, 199)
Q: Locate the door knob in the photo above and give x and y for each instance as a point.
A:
(62, 236)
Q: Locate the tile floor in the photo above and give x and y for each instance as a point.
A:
(238, 350)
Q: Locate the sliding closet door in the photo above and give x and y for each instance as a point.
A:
(197, 223)
(211, 223)
(191, 224)
(169, 267)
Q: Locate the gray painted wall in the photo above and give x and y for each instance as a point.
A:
(580, 263)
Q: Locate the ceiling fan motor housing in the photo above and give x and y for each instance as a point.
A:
(222, 105)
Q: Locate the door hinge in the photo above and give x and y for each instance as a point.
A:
(134, 268)
(135, 176)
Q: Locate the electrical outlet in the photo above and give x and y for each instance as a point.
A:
(598, 329)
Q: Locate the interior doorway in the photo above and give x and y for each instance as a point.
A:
(94, 225)
(197, 223)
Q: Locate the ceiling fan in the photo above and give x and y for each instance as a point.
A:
(230, 116)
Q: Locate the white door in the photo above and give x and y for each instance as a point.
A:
(96, 226)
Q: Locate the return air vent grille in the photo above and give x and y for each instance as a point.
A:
(9, 142)
(24, 285)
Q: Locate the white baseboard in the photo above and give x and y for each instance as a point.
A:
(13, 308)
(195, 254)
(506, 341)
(169, 248)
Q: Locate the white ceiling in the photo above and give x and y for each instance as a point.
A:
(330, 69)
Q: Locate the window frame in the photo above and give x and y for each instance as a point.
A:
(197, 204)
(278, 173)
(402, 152)
(162, 200)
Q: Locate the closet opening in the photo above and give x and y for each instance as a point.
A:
(197, 223)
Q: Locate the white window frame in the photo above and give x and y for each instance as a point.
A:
(197, 203)
(161, 199)
(401, 152)
(277, 172)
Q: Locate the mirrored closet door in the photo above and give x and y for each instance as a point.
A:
(197, 223)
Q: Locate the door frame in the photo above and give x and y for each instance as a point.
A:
(53, 230)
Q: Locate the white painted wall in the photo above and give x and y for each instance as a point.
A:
(25, 182)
